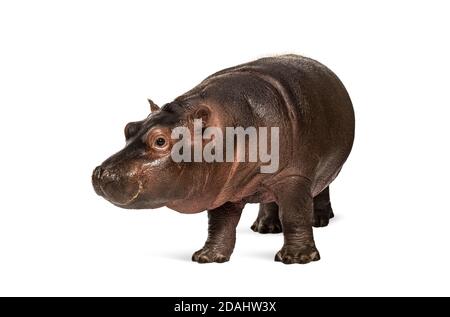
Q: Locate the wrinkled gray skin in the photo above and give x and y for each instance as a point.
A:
(315, 116)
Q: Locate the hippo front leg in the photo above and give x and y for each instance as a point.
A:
(294, 198)
(222, 224)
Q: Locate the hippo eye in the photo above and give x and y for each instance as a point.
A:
(160, 142)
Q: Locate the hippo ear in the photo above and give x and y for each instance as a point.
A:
(201, 112)
(153, 106)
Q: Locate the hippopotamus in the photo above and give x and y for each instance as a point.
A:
(314, 118)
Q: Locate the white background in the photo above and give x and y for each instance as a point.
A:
(72, 73)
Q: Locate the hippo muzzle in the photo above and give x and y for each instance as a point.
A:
(115, 186)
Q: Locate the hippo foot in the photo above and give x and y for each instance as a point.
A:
(267, 225)
(303, 255)
(207, 255)
(322, 217)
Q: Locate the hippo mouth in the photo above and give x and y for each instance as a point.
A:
(131, 198)
(120, 196)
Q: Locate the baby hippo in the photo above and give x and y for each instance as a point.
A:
(275, 131)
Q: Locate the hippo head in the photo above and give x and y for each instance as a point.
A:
(143, 174)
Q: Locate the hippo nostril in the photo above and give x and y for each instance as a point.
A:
(98, 171)
(106, 175)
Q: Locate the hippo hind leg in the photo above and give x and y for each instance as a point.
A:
(268, 220)
(322, 209)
